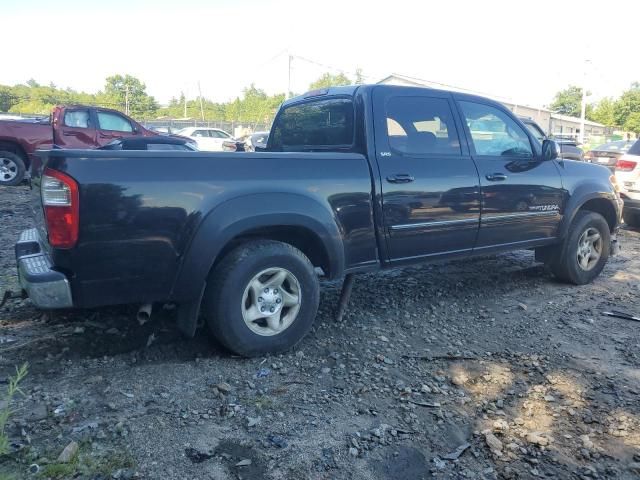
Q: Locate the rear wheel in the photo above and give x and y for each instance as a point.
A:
(262, 298)
(585, 251)
(12, 168)
(631, 218)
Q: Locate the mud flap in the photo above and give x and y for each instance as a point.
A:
(615, 245)
(188, 314)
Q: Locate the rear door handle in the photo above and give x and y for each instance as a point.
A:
(400, 178)
(70, 134)
(496, 177)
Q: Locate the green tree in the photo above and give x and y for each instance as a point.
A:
(632, 124)
(627, 105)
(7, 98)
(120, 90)
(568, 102)
(329, 80)
(603, 112)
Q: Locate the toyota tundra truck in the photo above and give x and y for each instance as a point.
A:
(353, 179)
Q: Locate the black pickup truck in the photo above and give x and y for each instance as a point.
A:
(353, 179)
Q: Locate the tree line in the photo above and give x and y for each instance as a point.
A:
(622, 112)
(128, 93)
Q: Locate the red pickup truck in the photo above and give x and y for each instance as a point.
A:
(74, 126)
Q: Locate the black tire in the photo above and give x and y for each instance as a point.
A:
(631, 219)
(224, 296)
(564, 263)
(15, 164)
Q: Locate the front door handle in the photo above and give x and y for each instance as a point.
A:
(70, 134)
(496, 177)
(400, 178)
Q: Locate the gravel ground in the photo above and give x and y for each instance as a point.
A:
(484, 368)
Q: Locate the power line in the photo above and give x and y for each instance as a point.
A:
(331, 67)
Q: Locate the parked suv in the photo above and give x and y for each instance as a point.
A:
(628, 177)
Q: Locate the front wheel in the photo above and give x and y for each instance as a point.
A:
(262, 298)
(585, 251)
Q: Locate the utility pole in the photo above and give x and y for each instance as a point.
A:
(201, 107)
(126, 98)
(184, 97)
(583, 104)
(289, 78)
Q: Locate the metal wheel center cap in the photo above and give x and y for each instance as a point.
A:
(270, 301)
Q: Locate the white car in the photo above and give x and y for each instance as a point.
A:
(210, 139)
(628, 179)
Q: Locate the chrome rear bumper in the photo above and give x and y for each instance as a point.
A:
(46, 287)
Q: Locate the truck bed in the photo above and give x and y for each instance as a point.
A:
(140, 211)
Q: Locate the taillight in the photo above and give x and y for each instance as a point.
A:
(61, 200)
(623, 165)
(228, 146)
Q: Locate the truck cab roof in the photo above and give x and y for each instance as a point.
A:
(352, 90)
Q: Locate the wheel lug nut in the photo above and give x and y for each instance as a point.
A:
(262, 309)
(260, 299)
(272, 309)
(278, 300)
(275, 290)
(266, 290)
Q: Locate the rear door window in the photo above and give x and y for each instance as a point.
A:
(76, 118)
(218, 134)
(317, 125)
(421, 126)
(114, 122)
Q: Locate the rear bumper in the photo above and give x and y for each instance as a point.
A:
(46, 287)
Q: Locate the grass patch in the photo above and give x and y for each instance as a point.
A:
(6, 411)
(263, 402)
(85, 464)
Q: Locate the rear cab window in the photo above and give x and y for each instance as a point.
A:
(76, 118)
(318, 125)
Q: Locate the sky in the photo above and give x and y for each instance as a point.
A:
(518, 51)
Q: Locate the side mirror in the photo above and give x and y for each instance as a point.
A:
(549, 150)
(260, 148)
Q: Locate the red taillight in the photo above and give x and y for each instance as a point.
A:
(625, 165)
(61, 201)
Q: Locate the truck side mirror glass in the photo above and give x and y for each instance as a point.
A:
(549, 150)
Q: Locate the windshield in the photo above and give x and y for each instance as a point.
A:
(615, 147)
(535, 131)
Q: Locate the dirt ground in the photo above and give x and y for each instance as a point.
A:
(484, 368)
